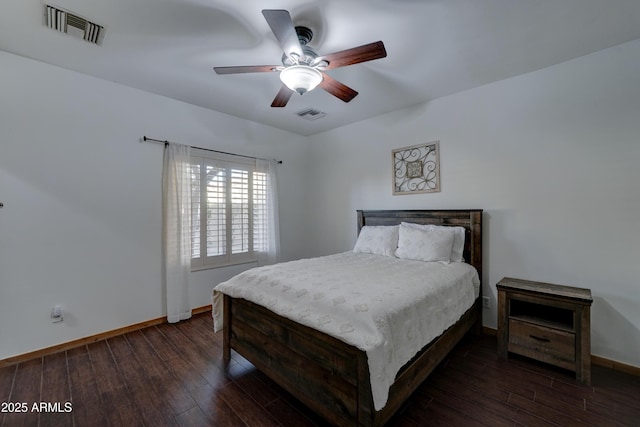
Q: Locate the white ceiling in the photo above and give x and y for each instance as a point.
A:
(435, 47)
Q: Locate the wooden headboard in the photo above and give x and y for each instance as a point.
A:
(470, 219)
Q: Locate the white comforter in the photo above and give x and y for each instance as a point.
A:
(388, 307)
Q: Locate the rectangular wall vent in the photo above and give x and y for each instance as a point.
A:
(311, 114)
(69, 23)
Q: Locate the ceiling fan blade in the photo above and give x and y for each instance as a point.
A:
(247, 69)
(337, 89)
(355, 55)
(282, 97)
(282, 27)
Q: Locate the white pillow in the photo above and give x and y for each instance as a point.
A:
(378, 240)
(458, 238)
(424, 245)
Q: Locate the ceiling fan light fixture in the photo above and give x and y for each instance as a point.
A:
(301, 78)
(302, 68)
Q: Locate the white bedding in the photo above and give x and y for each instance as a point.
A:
(388, 307)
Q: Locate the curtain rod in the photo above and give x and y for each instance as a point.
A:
(157, 141)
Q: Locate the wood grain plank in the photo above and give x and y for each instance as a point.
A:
(570, 406)
(461, 405)
(437, 414)
(194, 417)
(115, 395)
(208, 368)
(7, 375)
(456, 387)
(217, 411)
(140, 388)
(287, 414)
(245, 407)
(88, 408)
(488, 384)
(176, 363)
(56, 389)
(26, 390)
(548, 414)
(206, 347)
(252, 385)
(165, 385)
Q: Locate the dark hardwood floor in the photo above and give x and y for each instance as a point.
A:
(173, 375)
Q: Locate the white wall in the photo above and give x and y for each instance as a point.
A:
(81, 223)
(551, 156)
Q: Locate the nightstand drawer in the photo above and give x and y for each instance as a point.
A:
(542, 343)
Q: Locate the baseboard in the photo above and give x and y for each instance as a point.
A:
(91, 339)
(489, 331)
(595, 360)
(199, 310)
(615, 365)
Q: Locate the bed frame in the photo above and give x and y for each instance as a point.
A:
(328, 375)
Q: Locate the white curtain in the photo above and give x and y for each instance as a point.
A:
(176, 233)
(269, 253)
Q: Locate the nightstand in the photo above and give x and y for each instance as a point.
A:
(546, 322)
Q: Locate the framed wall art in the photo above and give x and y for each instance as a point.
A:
(416, 169)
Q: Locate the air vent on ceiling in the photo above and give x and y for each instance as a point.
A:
(67, 22)
(311, 114)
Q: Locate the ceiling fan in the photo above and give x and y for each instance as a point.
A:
(302, 68)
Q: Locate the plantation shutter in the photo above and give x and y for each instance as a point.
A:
(223, 211)
(216, 193)
(239, 210)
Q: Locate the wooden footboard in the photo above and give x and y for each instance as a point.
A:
(319, 370)
(326, 374)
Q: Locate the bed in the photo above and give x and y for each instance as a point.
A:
(325, 373)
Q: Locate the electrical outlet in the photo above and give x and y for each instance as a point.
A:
(57, 314)
(485, 302)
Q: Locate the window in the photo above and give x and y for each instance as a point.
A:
(229, 205)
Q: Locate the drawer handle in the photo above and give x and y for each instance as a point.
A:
(540, 339)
